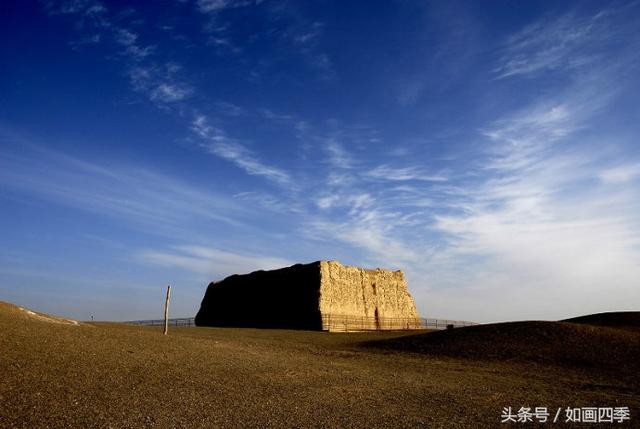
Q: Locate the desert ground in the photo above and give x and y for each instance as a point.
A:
(58, 374)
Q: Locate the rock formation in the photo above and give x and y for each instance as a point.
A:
(323, 295)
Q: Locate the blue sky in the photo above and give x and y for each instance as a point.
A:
(488, 149)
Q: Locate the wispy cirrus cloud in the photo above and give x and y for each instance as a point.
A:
(229, 109)
(531, 232)
(309, 35)
(566, 43)
(159, 83)
(212, 262)
(216, 142)
(402, 174)
(530, 133)
(132, 47)
(90, 12)
(305, 37)
(623, 173)
(361, 211)
(213, 6)
(531, 213)
(366, 225)
(299, 36)
(269, 201)
(531, 244)
(338, 156)
(143, 198)
(157, 80)
(539, 218)
(86, 41)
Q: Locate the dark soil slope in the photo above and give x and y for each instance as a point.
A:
(614, 319)
(561, 343)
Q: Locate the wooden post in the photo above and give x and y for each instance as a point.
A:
(166, 311)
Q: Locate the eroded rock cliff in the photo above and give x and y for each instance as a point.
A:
(352, 297)
(322, 295)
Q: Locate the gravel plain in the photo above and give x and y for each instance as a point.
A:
(110, 375)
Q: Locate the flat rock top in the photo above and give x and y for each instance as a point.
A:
(351, 267)
(331, 263)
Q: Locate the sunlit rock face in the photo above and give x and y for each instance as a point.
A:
(323, 295)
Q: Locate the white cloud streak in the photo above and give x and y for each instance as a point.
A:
(338, 156)
(212, 262)
(213, 6)
(620, 174)
(402, 174)
(570, 43)
(217, 143)
(555, 45)
(161, 85)
(159, 82)
(158, 203)
(533, 236)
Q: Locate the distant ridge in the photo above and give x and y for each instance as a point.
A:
(576, 345)
(626, 319)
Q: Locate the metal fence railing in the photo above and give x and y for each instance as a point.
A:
(345, 323)
(349, 323)
(443, 323)
(342, 323)
(183, 321)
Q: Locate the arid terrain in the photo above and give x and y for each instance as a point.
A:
(58, 374)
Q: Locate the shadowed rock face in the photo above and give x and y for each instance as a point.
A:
(285, 298)
(322, 295)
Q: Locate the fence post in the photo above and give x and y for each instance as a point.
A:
(166, 311)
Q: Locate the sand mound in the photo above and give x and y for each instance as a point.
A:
(560, 343)
(123, 376)
(11, 309)
(618, 319)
